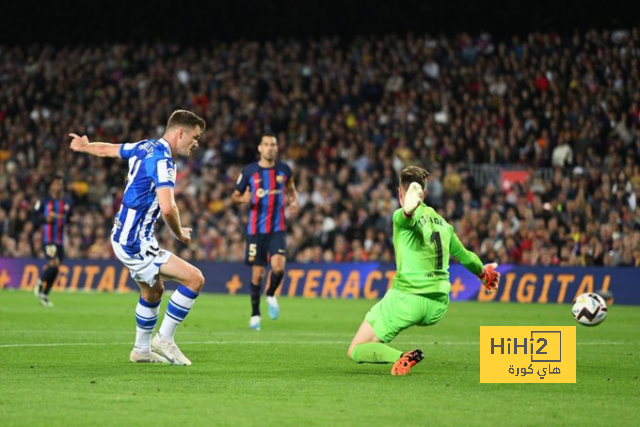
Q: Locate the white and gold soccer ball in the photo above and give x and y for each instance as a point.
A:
(589, 309)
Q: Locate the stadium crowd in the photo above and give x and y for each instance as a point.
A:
(349, 116)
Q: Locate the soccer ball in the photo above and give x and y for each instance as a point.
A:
(589, 309)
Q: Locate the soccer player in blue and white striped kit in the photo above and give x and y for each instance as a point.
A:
(149, 193)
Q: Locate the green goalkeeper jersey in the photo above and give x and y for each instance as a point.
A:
(423, 243)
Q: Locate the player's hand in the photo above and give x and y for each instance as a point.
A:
(78, 142)
(490, 277)
(246, 197)
(186, 235)
(294, 208)
(413, 198)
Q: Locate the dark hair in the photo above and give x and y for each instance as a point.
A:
(55, 177)
(413, 174)
(271, 134)
(186, 118)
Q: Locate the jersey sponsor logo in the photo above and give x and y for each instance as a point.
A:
(257, 180)
(261, 192)
(171, 173)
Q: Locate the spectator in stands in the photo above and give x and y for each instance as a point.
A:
(350, 116)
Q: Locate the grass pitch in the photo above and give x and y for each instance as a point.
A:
(69, 366)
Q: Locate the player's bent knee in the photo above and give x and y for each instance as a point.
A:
(200, 279)
(196, 281)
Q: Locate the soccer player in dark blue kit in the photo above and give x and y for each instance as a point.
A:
(53, 212)
(263, 185)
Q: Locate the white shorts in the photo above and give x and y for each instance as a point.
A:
(145, 265)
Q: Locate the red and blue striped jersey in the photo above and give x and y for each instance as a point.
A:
(267, 186)
(53, 232)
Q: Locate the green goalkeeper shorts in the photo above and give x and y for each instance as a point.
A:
(399, 310)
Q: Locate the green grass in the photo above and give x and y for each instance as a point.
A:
(69, 366)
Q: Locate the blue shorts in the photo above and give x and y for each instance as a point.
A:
(261, 247)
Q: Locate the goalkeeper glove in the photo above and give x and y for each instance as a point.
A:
(412, 198)
(490, 277)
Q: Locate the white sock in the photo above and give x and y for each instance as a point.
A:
(146, 319)
(179, 306)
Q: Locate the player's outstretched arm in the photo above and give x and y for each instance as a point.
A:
(81, 144)
(487, 274)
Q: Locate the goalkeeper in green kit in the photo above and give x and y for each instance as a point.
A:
(419, 295)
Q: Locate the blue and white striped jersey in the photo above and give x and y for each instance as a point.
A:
(151, 166)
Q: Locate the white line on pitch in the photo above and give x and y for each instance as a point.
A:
(183, 332)
(246, 342)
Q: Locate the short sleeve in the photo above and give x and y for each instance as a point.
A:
(39, 209)
(243, 181)
(164, 174)
(287, 171)
(68, 210)
(126, 150)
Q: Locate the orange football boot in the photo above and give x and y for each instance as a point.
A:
(407, 361)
